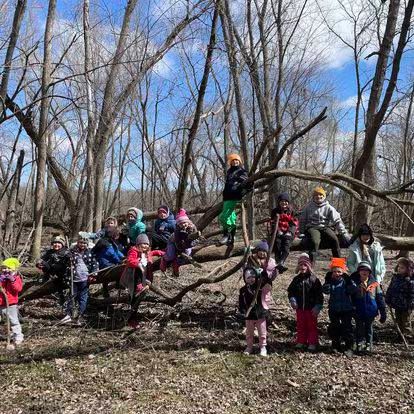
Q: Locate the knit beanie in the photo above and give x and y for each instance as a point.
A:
(232, 157)
(283, 197)
(58, 239)
(338, 262)
(182, 217)
(83, 236)
(262, 246)
(303, 260)
(11, 263)
(319, 190)
(163, 209)
(364, 265)
(142, 239)
(249, 272)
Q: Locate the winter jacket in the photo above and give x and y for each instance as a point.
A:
(321, 216)
(375, 258)
(400, 293)
(368, 300)
(83, 262)
(287, 220)
(11, 288)
(135, 227)
(185, 239)
(306, 291)
(165, 226)
(340, 292)
(135, 259)
(233, 189)
(55, 262)
(107, 253)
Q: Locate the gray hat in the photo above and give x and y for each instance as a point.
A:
(364, 265)
(58, 239)
(142, 239)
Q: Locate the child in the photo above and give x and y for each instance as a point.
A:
(135, 226)
(11, 285)
(339, 287)
(164, 227)
(232, 194)
(257, 312)
(286, 229)
(83, 263)
(138, 274)
(184, 238)
(400, 294)
(368, 300)
(316, 221)
(305, 296)
(55, 262)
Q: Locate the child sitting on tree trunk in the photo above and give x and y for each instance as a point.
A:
(11, 285)
(400, 294)
(306, 298)
(181, 242)
(286, 229)
(232, 194)
(339, 286)
(253, 304)
(164, 227)
(368, 301)
(138, 274)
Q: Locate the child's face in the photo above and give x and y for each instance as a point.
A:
(110, 223)
(184, 225)
(401, 269)
(302, 268)
(261, 254)
(365, 238)
(131, 217)
(318, 198)
(143, 247)
(56, 246)
(82, 244)
(283, 204)
(364, 274)
(235, 163)
(337, 273)
(162, 215)
(250, 279)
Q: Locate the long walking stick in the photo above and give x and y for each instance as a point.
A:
(272, 244)
(398, 328)
(8, 345)
(72, 297)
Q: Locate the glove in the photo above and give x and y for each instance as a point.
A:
(293, 303)
(383, 317)
(315, 310)
(301, 236)
(10, 277)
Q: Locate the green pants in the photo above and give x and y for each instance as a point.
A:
(228, 216)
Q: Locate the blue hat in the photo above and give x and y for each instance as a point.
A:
(263, 246)
(283, 197)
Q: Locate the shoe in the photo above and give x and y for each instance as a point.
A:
(66, 319)
(133, 323)
(248, 351)
(163, 265)
(349, 353)
(281, 268)
(263, 351)
(358, 348)
(368, 349)
(80, 321)
(312, 348)
(140, 290)
(224, 240)
(18, 342)
(300, 346)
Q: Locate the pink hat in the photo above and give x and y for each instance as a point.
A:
(304, 260)
(182, 217)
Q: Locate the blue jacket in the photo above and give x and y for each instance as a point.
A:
(165, 226)
(107, 253)
(400, 293)
(368, 301)
(339, 291)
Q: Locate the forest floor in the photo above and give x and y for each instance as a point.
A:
(188, 359)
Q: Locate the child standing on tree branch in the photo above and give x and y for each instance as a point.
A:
(232, 194)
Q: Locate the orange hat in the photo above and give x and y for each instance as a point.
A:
(232, 157)
(338, 262)
(319, 190)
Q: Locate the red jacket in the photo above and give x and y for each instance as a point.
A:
(12, 290)
(134, 259)
(287, 220)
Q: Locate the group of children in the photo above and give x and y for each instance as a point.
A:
(356, 296)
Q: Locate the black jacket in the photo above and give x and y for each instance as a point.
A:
(56, 262)
(233, 189)
(306, 289)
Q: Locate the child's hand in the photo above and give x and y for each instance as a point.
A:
(293, 303)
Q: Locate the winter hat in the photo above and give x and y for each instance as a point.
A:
(364, 265)
(262, 246)
(338, 262)
(83, 236)
(58, 239)
(303, 260)
(283, 197)
(136, 212)
(113, 219)
(365, 229)
(232, 157)
(182, 217)
(11, 263)
(319, 190)
(163, 209)
(249, 272)
(142, 239)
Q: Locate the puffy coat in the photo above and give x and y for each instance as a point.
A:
(340, 292)
(233, 190)
(400, 293)
(134, 259)
(12, 290)
(107, 253)
(167, 225)
(83, 263)
(368, 300)
(135, 227)
(375, 258)
(55, 262)
(320, 216)
(287, 220)
(306, 290)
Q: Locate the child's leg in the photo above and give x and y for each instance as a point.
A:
(228, 217)
(359, 330)
(16, 329)
(402, 317)
(262, 330)
(369, 332)
(334, 329)
(346, 330)
(83, 294)
(285, 248)
(333, 241)
(277, 250)
(312, 328)
(250, 333)
(315, 241)
(300, 326)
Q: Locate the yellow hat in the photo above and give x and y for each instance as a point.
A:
(319, 190)
(11, 263)
(232, 157)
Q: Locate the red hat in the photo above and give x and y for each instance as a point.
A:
(338, 262)
(182, 217)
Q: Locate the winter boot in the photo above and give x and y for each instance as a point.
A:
(225, 239)
(281, 267)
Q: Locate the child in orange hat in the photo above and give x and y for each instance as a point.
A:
(340, 287)
(234, 190)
